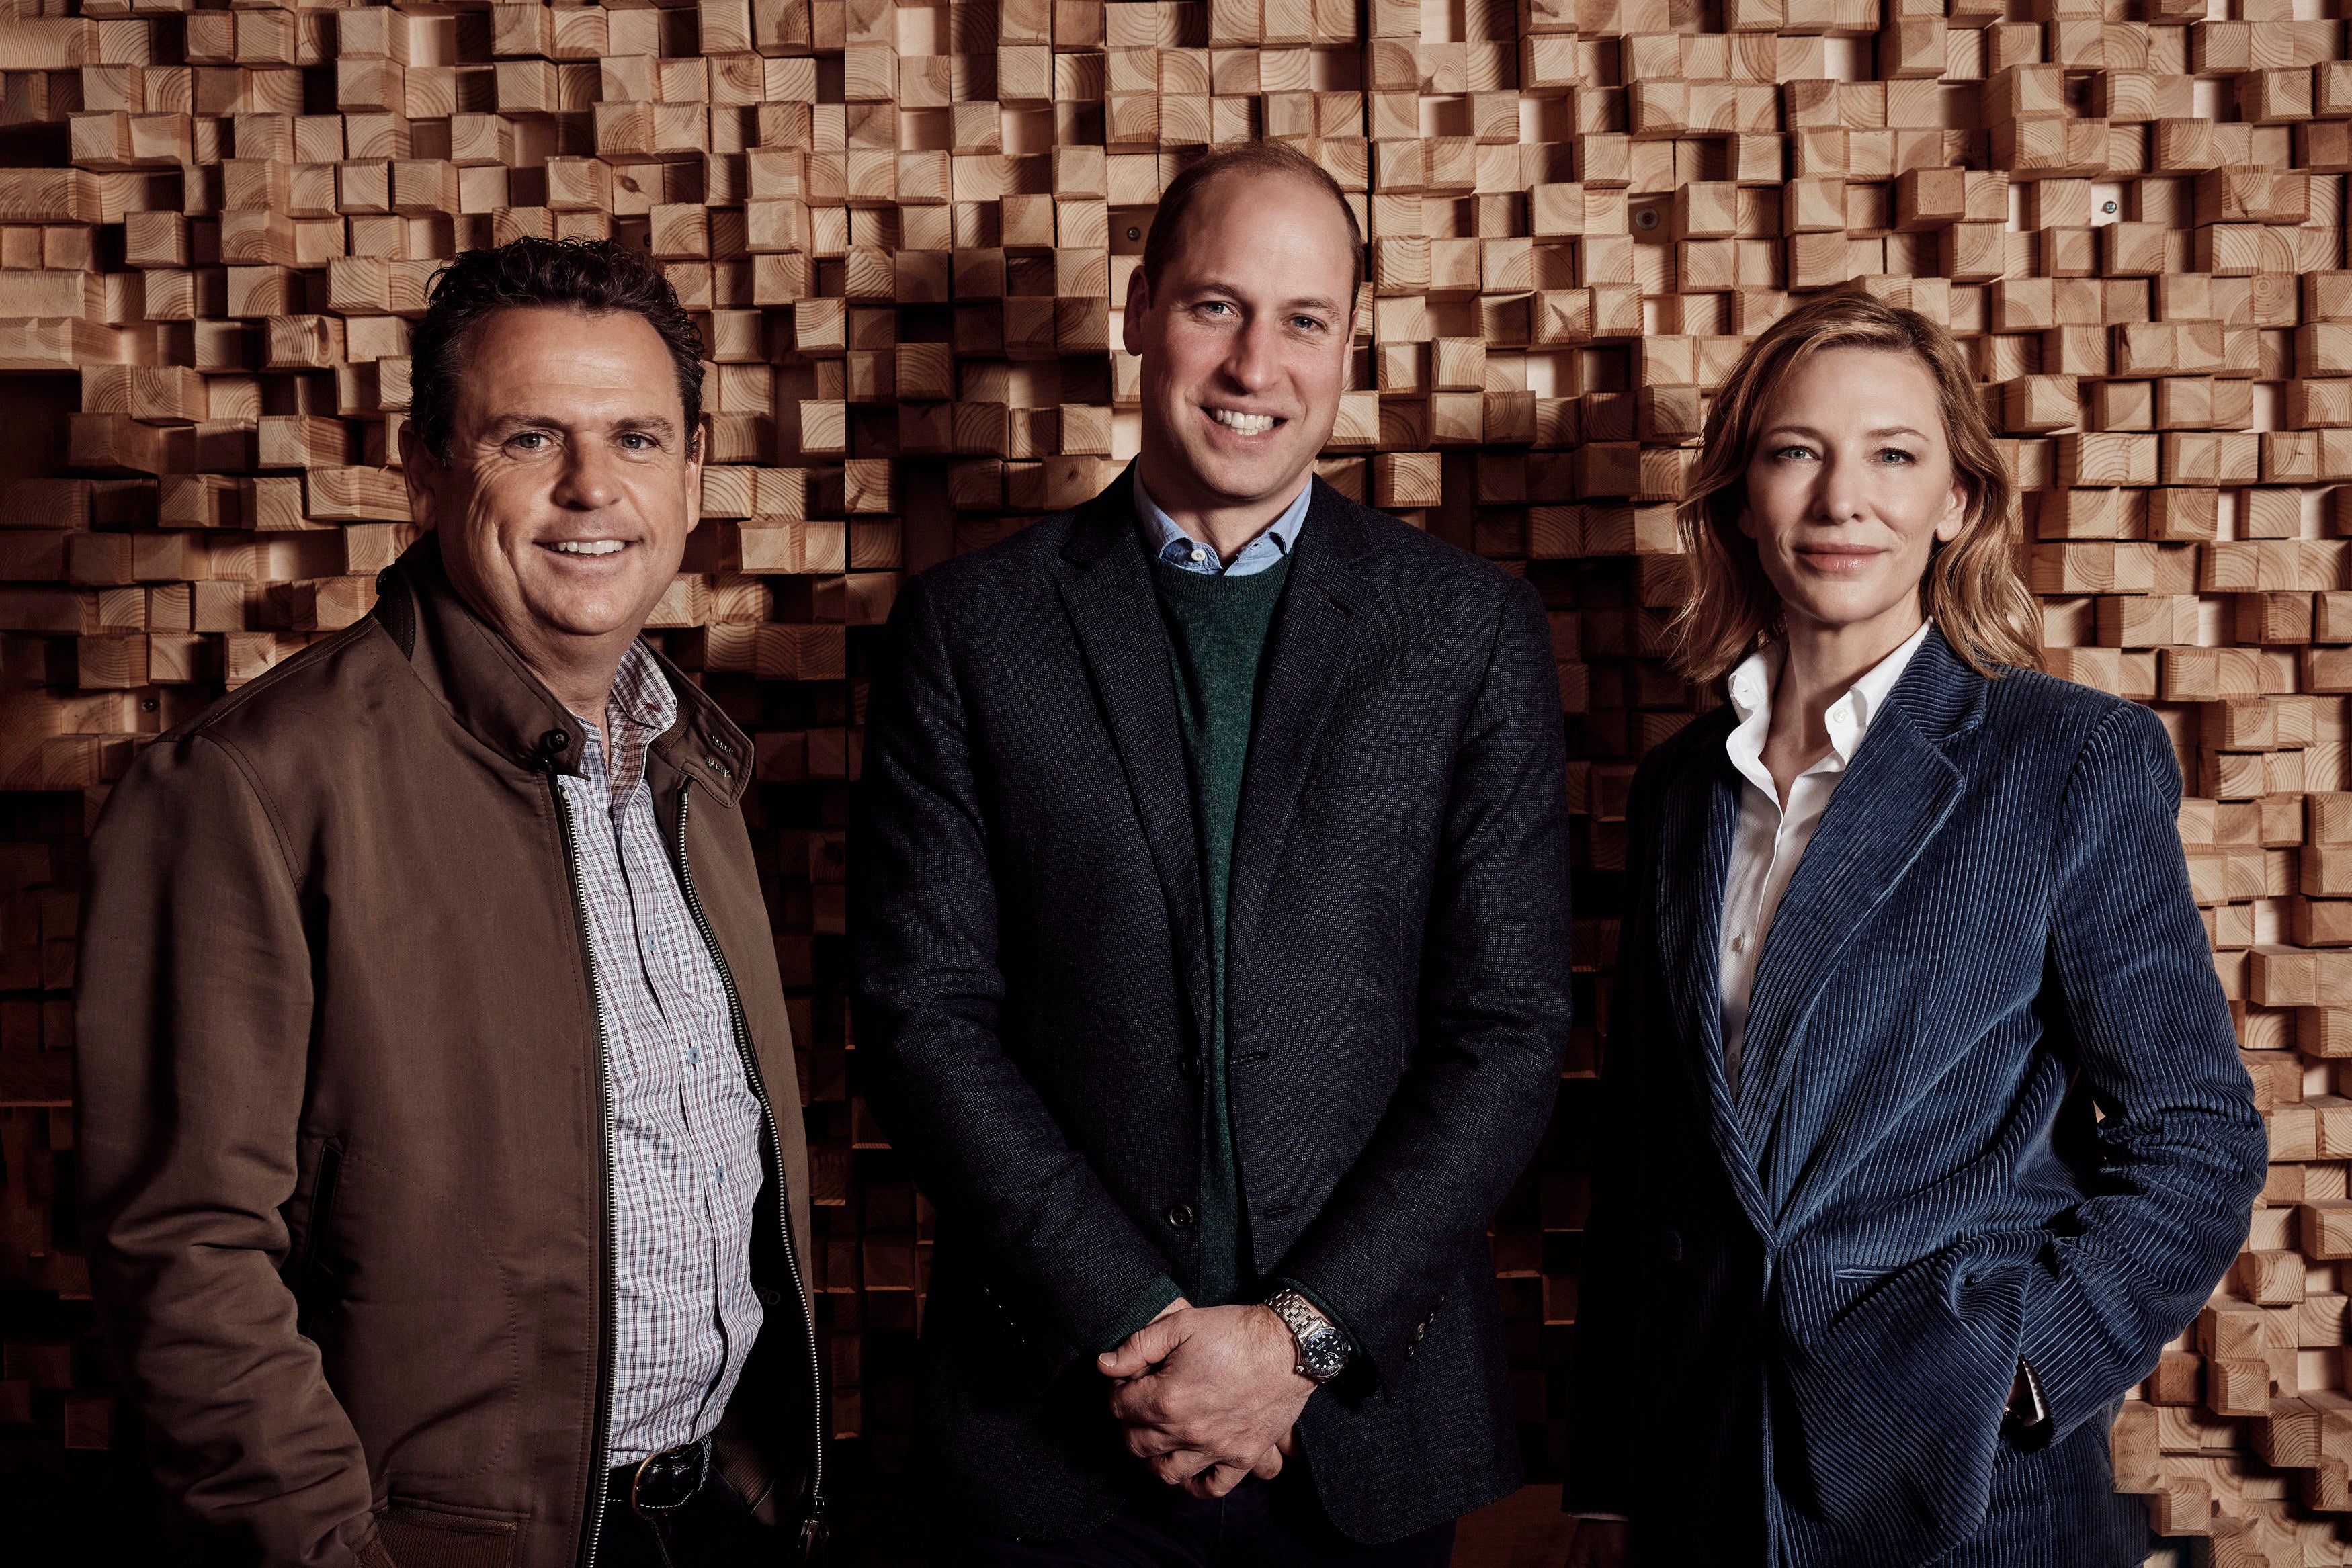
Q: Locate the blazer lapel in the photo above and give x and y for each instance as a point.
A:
(1116, 616)
(1307, 654)
(1893, 799)
(1698, 812)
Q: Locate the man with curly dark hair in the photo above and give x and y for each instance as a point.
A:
(446, 1183)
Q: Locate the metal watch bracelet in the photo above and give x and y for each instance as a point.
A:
(1322, 1349)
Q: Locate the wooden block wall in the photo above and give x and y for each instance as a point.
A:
(908, 227)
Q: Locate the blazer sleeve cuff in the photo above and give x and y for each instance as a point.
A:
(1154, 1301)
(1319, 1304)
(2079, 1368)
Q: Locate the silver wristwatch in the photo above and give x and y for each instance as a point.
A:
(1322, 1349)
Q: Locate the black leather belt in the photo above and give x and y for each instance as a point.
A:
(660, 1484)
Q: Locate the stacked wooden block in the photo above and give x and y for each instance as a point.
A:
(907, 229)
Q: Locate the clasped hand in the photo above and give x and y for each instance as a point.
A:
(1207, 1396)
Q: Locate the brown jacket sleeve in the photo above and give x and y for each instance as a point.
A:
(193, 1039)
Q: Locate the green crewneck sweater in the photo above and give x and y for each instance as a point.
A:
(1217, 628)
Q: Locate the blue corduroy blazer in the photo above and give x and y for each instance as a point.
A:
(1992, 1109)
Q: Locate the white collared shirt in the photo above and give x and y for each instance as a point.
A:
(1770, 841)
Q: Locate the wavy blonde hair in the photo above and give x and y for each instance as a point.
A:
(1971, 588)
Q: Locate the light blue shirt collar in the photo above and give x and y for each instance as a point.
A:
(1171, 544)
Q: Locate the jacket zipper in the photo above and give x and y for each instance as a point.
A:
(811, 1528)
(600, 1450)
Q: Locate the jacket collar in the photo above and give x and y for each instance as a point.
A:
(1901, 790)
(1943, 698)
(477, 675)
(1114, 612)
(1889, 805)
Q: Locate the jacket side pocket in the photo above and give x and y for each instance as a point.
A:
(313, 1278)
(419, 1535)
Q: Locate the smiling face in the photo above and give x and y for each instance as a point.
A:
(1851, 484)
(1245, 344)
(570, 487)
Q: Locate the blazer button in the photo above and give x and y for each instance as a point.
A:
(1670, 1246)
(1178, 1217)
(1190, 1067)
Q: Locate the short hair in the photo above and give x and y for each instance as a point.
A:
(1971, 588)
(595, 276)
(1248, 158)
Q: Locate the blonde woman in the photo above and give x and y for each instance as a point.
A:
(1923, 1126)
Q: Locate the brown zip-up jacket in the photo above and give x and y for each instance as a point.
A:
(344, 1116)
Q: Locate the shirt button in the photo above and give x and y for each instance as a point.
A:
(1740, 942)
(1178, 1217)
(1199, 555)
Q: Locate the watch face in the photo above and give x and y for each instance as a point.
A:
(1326, 1353)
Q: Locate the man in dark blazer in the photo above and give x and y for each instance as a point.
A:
(1209, 908)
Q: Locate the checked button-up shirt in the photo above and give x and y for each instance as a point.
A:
(686, 1136)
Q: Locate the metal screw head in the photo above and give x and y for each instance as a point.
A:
(2107, 207)
(1645, 218)
(1133, 234)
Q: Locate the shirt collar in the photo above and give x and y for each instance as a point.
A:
(1849, 718)
(642, 709)
(641, 696)
(1171, 544)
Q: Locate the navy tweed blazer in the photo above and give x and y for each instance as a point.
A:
(1992, 1109)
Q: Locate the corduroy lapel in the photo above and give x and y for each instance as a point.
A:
(1698, 810)
(1889, 806)
(1116, 616)
(1307, 659)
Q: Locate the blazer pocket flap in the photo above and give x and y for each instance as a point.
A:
(1929, 1349)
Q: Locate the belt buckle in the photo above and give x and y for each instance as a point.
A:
(665, 1482)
